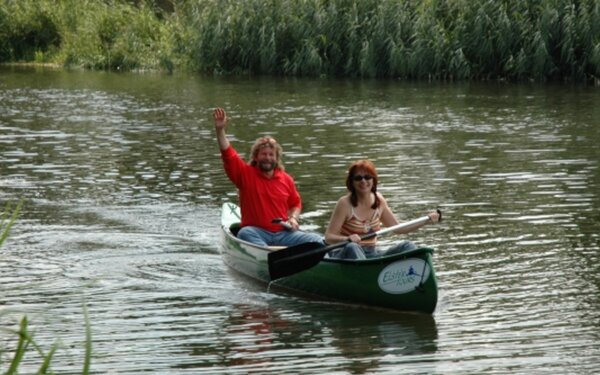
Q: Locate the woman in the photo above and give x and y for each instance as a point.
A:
(361, 211)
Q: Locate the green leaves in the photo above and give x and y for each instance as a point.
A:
(26, 339)
(7, 219)
(413, 39)
(479, 39)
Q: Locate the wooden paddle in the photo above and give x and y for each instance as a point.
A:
(294, 259)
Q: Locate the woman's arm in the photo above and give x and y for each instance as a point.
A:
(388, 219)
(338, 216)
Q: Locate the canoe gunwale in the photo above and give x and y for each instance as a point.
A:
(381, 259)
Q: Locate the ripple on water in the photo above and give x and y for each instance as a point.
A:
(123, 182)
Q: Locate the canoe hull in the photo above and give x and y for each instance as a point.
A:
(405, 282)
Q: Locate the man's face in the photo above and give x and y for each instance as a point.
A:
(266, 159)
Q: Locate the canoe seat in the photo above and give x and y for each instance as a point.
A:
(277, 247)
(235, 228)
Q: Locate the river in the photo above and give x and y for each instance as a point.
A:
(122, 186)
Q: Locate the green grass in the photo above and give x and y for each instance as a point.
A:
(7, 219)
(25, 337)
(26, 340)
(538, 40)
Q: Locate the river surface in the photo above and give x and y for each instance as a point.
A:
(122, 186)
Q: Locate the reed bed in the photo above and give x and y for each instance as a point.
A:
(425, 39)
(537, 40)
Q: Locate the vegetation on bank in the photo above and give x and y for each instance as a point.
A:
(25, 336)
(539, 40)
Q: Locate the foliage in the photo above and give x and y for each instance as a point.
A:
(117, 37)
(26, 339)
(11, 217)
(27, 27)
(429, 39)
(411, 39)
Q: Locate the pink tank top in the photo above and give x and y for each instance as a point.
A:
(355, 225)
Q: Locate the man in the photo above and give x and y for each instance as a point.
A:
(266, 191)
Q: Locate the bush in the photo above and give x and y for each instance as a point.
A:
(27, 28)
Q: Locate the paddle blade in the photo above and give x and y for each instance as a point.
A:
(291, 260)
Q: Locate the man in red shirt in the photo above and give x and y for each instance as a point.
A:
(266, 191)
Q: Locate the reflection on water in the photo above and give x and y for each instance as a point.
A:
(123, 183)
(266, 338)
(280, 332)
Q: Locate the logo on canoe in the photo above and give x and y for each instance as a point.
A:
(403, 276)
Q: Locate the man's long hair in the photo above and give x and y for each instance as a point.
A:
(267, 142)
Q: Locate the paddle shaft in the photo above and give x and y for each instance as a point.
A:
(301, 257)
(326, 249)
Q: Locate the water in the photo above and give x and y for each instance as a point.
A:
(122, 185)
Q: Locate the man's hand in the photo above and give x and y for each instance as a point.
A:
(220, 124)
(220, 118)
(293, 223)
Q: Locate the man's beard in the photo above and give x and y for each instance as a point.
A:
(266, 166)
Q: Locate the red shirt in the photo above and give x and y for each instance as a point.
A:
(262, 199)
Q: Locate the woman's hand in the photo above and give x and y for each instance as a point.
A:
(354, 238)
(435, 216)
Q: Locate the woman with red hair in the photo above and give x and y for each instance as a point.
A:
(361, 211)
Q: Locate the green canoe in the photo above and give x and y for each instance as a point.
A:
(404, 281)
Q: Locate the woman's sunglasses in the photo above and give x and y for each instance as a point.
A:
(358, 177)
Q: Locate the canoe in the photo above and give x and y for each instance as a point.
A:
(403, 282)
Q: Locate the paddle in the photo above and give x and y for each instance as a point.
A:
(294, 259)
(284, 224)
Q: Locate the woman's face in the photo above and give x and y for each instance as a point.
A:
(362, 180)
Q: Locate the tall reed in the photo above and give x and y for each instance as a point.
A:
(425, 39)
(410, 39)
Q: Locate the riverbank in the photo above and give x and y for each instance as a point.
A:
(412, 40)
